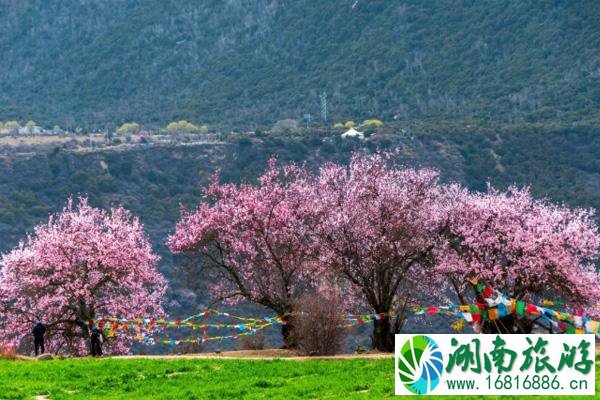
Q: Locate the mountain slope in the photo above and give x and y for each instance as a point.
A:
(245, 63)
(152, 182)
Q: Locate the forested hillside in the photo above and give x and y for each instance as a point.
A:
(486, 91)
(153, 182)
(249, 63)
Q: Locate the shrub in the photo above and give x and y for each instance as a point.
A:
(184, 126)
(244, 142)
(7, 351)
(190, 348)
(285, 126)
(319, 325)
(253, 342)
(128, 128)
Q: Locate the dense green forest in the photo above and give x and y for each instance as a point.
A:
(248, 63)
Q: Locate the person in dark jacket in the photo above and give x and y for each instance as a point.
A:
(96, 340)
(38, 337)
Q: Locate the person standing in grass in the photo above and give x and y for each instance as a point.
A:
(96, 340)
(38, 337)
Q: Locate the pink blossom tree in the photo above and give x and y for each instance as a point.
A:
(377, 231)
(388, 237)
(257, 240)
(85, 263)
(528, 249)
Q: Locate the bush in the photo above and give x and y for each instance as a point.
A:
(7, 351)
(319, 325)
(190, 348)
(244, 142)
(253, 342)
(285, 126)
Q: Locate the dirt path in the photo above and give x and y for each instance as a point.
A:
(269, 354)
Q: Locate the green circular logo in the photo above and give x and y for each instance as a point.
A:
(420, 364)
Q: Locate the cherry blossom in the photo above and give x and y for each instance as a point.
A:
(386, 237)
(526, 248)
(85, 263)
(378, 229)
(256, 239)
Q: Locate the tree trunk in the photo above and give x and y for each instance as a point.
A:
(508, 324)
(290, 340)
(383, 339)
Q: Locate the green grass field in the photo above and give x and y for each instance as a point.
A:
(110, 379)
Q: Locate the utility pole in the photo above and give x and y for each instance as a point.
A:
(323, 97)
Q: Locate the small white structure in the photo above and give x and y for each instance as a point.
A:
(353, 133)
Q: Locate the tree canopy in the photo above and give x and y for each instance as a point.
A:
(83, 264)
(388, 235)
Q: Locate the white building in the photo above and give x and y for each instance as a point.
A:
(353, 133)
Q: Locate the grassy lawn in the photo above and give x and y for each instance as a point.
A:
(201, 379)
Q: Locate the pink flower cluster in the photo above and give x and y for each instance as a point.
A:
(380, 236)
(84, 263)
(387, 236)
(526, 248)
(258, 237)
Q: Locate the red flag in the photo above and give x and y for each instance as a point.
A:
(531, 309)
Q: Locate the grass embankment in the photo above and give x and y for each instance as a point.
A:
(139, 378)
